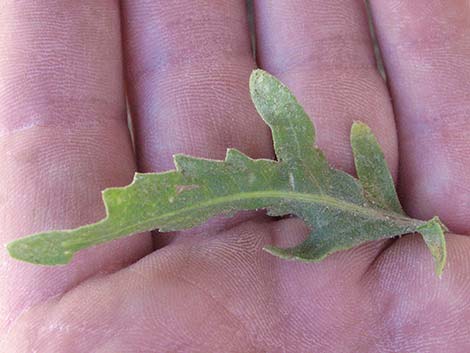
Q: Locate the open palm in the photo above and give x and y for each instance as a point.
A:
(64, 138)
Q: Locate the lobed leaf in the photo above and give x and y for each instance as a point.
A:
(341, 211)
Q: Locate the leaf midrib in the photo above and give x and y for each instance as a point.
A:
(325, 200)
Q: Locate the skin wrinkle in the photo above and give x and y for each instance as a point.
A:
(201, 27)
(204, 124)
(62, 67)
(187, 57)
(200, 109)
(421, 28)
(429, 85)
(51, 75)
(214, 300)
(335, 53)
(411, 304)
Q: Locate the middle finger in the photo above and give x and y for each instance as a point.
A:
(188, 67)
(323, 51)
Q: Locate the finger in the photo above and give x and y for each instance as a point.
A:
(188, 67)
(63, 138)
(323, 52)
(426, 47)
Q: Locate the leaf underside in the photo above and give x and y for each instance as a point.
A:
(341, 211)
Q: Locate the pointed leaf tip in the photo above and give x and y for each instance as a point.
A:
(359, 128)
(292, 130)
(433, 234)
(372, 168)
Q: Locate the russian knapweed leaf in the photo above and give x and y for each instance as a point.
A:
(341, 211)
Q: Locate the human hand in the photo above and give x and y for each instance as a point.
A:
(64, 138)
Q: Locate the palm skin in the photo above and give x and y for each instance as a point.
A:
(214, 289)
(222, 293)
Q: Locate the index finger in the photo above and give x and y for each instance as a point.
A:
(63, 138)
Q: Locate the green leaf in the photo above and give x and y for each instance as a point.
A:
(372, 169)
(341, 211)
(433, 234)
